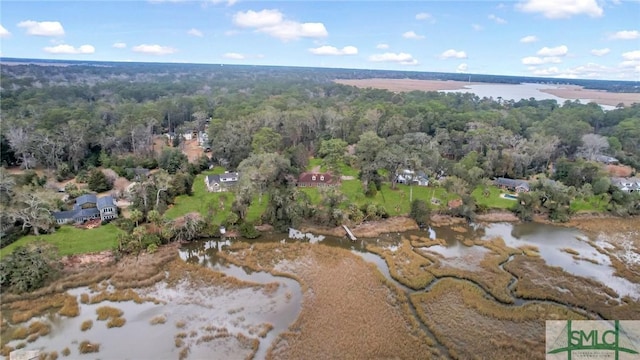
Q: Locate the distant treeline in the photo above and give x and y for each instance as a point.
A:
(329, 74)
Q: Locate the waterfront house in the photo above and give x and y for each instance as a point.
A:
(512, 184)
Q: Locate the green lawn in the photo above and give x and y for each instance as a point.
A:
(494, 201)
(590, 204)
(70, 240)
(220, 203)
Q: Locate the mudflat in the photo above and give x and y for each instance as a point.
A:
(569, 92)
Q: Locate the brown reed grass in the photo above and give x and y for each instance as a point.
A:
(470, 325)
(157, 320)
(86, 347)
(86, 325)
(537, 280)
(116, 322)
(405, 265)
(108, 312)
(66, 352)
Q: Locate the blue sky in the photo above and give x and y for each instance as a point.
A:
(589, 39)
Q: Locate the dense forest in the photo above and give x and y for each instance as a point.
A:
(267, 122)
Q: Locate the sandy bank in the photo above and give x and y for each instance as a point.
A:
(573, 92)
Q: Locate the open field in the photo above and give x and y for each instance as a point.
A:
(569, 92)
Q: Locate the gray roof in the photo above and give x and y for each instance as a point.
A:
(87, 198)
(61, 215)
(105, 201)
(511, 183)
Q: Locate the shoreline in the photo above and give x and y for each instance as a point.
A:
(566, 92)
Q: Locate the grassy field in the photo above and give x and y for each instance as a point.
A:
(590, 204)
(493, 201)
(202, 200)
(70, 240)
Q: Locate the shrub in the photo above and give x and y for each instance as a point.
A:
(248, 230)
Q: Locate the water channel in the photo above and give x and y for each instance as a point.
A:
(240, 310)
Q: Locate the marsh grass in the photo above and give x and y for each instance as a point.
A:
(70, 307)
(21, 345)
(84, 298)
(181, 324)
(460, 316)
(6, 350)
(184, 353)
(66, 352)
(108, 312)
(116, 322)
(86, 347)
(537, 280)
(160, 319)
(120, 295)
(570, 251)
(338, 288)
(86, 325)
(24, 310)
(405, 265)
(424, 241)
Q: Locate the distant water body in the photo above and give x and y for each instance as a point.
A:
(517, 92)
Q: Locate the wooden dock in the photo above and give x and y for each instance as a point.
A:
(349, 233)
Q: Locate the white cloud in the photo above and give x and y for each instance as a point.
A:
(272, 22)
(554, 51)
(382, 46)
(68, 49)
(119, 45)
(631, 55)
(625, 35)
(154, 49)
(453, 54)
(42, 28)
(4, 33)
(423, 16)
(561, 9)
(195, 32)
(400, 58)
(551, 71)
(462, 68)
(529, 39)
(600, 52)
(536, 60)
(258, 19)
(496, 19)
(412, 35)
(234, 56)
(477, 27)
(332, 50)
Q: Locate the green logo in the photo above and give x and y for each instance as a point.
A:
(592, 339)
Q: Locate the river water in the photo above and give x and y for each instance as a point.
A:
(242, 310)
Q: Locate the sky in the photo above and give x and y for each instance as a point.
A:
(584, 39)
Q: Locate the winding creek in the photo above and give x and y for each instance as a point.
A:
(243, 310)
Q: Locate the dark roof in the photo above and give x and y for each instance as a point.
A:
(310, 178)
(60, 215)
(223, 178)
(87, 198)
(511, 183)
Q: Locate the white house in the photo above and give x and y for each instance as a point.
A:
(222, 182)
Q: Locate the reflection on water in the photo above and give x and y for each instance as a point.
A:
(550, 241)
